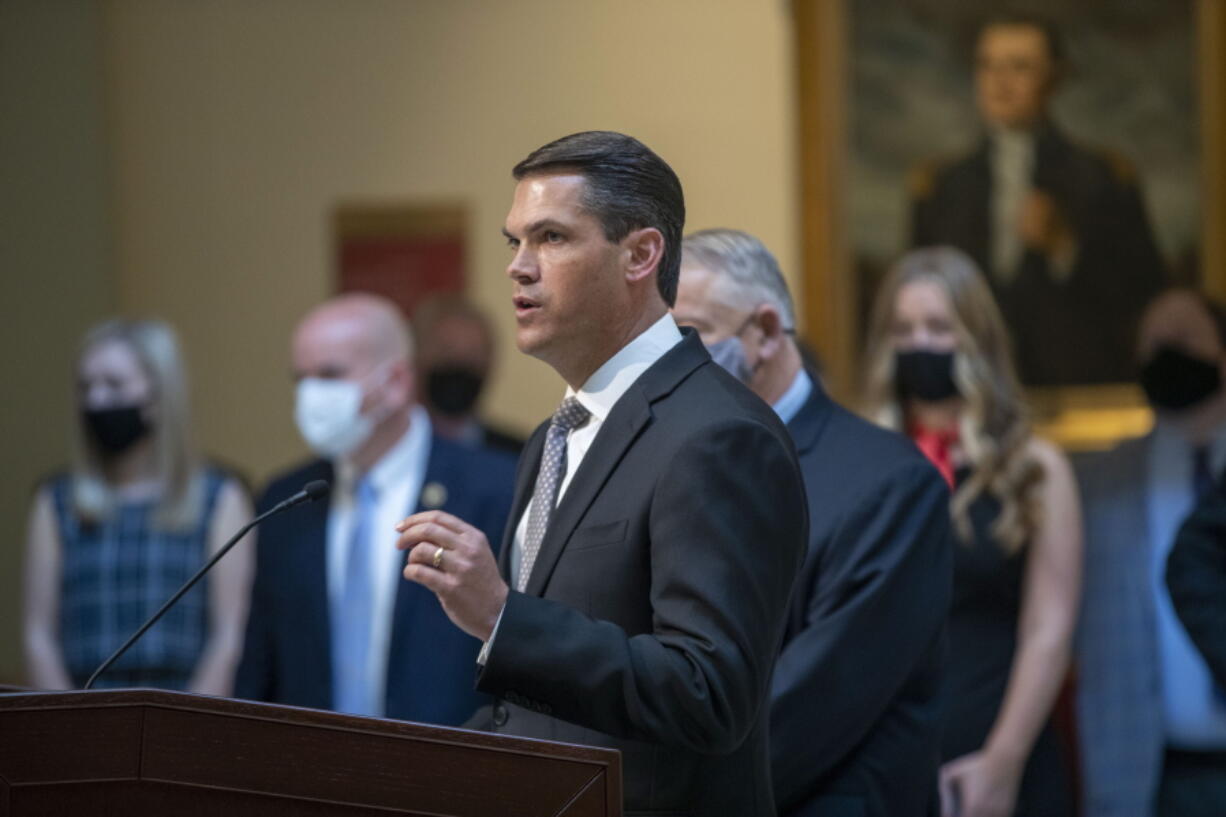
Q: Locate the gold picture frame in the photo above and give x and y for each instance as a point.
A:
(1078, 417)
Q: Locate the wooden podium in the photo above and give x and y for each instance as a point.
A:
(148, 752)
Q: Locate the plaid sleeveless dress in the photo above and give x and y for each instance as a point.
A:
(116, 574)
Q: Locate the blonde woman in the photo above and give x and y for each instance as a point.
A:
(137, 513)
(939, 368)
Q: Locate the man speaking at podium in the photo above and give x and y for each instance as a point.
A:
(659, 517)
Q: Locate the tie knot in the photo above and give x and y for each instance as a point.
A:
(570, 415)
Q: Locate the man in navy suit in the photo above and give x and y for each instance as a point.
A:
(855, 719)
(332, 624)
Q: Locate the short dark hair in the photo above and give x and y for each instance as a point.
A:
(1052, 38)
(628, 188)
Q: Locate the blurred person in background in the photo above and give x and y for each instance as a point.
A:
(333, 625)
(939, 367)
(1153, 724)
(137, 513)
(855, 698)
(455, 351)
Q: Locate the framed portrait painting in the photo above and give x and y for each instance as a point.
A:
(1081, 187)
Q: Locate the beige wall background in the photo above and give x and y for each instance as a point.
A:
(55, 252)
(209, 142)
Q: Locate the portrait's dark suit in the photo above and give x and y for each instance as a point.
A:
(1079, 330)
(1196, 578)
(653, 615)
(855, 701)
(287, 655)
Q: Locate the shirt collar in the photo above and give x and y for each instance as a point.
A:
(608, 383)
(792, 400)
(399, 459)
(1012, 145)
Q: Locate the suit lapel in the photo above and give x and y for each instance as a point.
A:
(525, 483)
(442, 479)
(978, 206)
(806, 427)
(312, 554)
(619, 430)
(630, 415)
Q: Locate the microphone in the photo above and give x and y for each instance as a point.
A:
(309, 493)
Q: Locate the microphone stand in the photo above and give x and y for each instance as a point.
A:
(303, 496)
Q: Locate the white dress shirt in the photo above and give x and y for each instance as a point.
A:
(598, 395)
(397, 479)
(1195, 717)
(1012, 170)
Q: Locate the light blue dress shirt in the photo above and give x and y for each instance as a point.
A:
(792, 400)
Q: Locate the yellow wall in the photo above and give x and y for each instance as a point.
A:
(183, 159)
(55, 257)
(238, 126)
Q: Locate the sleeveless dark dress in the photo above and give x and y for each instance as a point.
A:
(983, 620)
(117, 573)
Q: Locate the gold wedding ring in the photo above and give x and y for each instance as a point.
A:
(438, 559)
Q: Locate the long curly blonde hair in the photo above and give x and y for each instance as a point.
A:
(994, 427)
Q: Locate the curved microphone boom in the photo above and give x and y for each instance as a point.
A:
(309, 493)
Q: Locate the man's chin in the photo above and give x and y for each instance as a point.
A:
(529, 342)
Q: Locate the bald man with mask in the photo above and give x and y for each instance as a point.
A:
(333, 625)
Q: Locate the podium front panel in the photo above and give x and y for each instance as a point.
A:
(135, 752)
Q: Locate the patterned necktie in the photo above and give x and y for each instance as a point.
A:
(570, 415)
(352, 618)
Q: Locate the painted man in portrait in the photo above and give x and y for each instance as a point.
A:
(1059, 228)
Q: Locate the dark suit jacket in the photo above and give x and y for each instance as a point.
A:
(287, 653)
(1079, 331)
(855, 714)
(1196, 577)
(653, 615)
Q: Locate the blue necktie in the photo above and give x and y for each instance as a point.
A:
(354, 611)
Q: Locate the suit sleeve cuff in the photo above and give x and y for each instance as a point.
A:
(484, 655)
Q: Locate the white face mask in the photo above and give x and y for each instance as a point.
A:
(329, 416)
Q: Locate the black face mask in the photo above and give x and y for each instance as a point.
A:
(925, 374)
(114, 430)
(453, 390)
(1174, 380)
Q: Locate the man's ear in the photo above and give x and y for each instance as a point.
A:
(401, 382)
(644, 250)
(774, 335)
